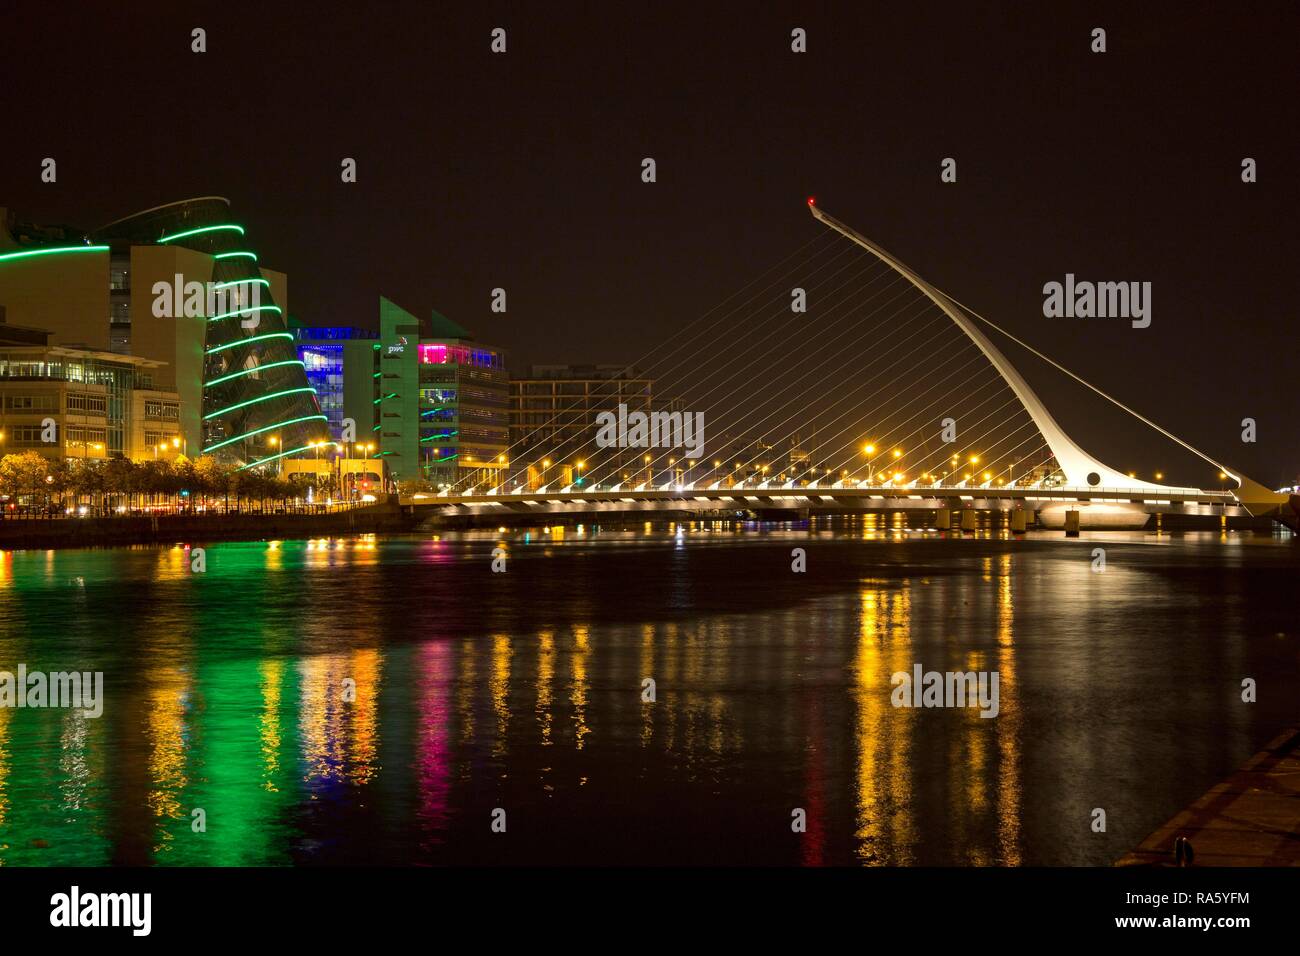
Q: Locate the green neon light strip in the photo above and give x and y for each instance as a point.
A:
(260, 308)
(50, 252)
(432, 411)
(233, 255)
(443, 435)
(250, 371)
(385, 398)
(448, 458)
(377, 374)
(375, 429)
(293, 451)
(258, 431)
(257, 401)
(255, 338)
(197, 232)
(227, 285)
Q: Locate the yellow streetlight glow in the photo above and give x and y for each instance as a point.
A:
(974, 459)
(868, 449)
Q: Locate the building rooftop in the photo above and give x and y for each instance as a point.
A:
(76, 351)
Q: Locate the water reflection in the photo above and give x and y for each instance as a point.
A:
(371, 700)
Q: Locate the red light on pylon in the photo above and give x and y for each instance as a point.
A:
(812, 200)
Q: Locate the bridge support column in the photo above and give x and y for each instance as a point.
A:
(1072, 524)
(1018, 521)
(968, 519)
(943, 519)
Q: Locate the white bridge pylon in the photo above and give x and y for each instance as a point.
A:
(1081, 469)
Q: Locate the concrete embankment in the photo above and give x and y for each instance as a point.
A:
(166, 529)
(1250, 819)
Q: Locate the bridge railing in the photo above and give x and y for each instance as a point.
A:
(698, 489)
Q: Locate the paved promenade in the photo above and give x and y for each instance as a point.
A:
(1250, 819)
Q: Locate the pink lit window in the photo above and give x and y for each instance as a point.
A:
(433, 354)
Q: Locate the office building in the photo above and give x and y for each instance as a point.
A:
(127, 289)
(82, 404)
(442, 401)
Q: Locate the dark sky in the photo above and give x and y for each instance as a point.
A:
(523, 170)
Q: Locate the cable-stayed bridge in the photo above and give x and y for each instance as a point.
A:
(847, 383)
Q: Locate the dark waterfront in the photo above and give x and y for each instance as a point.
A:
(476, 690)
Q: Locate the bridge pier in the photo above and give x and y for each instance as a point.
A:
(968, 519)
(943, 519)
(1072, 524)
(1018, 521)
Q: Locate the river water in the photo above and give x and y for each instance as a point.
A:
(395, 700)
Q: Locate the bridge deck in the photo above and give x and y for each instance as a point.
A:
(787, 497)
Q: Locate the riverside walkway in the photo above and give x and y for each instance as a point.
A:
(1250, 819)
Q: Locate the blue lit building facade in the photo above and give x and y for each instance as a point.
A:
(340, 362)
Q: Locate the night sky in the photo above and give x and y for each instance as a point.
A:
(523, 170)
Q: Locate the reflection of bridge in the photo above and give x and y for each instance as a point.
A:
(1079, 481)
